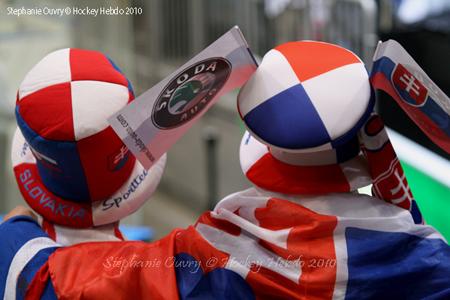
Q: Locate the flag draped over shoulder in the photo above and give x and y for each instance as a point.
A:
(263, 245)
(395, 72)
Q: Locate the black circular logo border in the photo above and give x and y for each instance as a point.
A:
(176, 77)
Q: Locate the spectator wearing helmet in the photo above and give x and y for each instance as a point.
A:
(70, 166)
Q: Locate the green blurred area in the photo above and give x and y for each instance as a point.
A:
(432, 197)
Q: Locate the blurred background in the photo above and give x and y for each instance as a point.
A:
(204, 166)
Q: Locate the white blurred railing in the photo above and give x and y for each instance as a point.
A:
(174, 30)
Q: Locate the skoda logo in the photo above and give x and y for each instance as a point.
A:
(190, 92)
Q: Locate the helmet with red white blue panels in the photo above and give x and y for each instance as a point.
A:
(70, 166)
